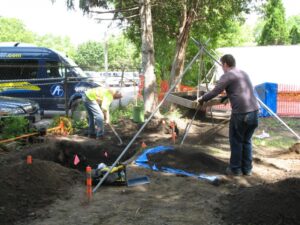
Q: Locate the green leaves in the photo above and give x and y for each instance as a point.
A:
(13, 126)
(121, 54)
(13, 30)
(90, 55)
(274, 31)
(294, 35)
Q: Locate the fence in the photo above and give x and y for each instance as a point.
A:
(287, 101)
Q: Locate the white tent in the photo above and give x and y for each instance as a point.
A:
(276, 64)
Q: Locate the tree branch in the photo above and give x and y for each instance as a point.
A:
(114, 11)
(118, 18)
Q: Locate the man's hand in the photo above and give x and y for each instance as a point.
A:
(224, 99)
(200, 101)
(106, 116)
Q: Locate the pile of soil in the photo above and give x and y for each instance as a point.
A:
(189, 159)
(295, 148)
(25, 188)
(270, 204)
(28, 187)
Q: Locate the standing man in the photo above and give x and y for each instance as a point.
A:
(244, 116)
(92, 99)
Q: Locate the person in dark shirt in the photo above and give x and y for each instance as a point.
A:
(244, 115)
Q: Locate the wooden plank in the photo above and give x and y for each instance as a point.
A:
(215, 101)
(219, 114)
(192, 104)
(186, 93)
(182, 101)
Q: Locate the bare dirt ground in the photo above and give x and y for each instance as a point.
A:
(51, 191)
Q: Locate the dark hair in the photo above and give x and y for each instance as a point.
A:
(228, 59)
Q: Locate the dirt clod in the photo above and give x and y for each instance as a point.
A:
(295, 148)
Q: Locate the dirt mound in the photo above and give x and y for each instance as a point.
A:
(270, 204)
(188, 159)
(25, 188)
(295, 148)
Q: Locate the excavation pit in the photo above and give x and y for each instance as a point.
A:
(28, 187)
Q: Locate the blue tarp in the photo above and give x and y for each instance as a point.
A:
(142, 161)
(267, 93)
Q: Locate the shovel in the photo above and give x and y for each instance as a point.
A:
(137, 180)
(116, 134)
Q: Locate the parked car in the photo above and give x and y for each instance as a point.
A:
(95, 77)
(131, 79)
(115, 79)
(11, 106)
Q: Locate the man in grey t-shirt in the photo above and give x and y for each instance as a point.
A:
(244, 116)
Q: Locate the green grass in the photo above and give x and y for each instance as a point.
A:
(274, 123)
(280, 136)
(275, 142)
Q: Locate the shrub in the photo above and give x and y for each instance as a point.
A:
(13, 126)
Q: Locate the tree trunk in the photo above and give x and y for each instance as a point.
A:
(186, 22)
(150, 89)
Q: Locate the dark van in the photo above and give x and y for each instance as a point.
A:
(43, 75)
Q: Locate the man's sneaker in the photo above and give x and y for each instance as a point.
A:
(92, 136)
(229, 172)
(249, 173)
(100, 137)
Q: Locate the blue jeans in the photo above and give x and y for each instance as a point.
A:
(241, 129)
(96, 117)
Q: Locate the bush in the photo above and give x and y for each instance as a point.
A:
(13, 127)
(79, 124)
(121, 113)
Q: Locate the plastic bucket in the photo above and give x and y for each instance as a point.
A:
(138, 114)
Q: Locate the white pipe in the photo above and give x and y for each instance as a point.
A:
(148, 119)
(277, 117)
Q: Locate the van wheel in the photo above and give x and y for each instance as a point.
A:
(78, 111)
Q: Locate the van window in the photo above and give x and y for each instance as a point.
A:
(18, 69)
(74, 69)
(53, 70)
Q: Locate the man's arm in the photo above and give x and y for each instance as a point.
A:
(106, 116)
(220, 86)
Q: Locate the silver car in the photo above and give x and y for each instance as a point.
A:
(11, 106)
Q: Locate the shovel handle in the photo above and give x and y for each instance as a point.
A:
(115, 132)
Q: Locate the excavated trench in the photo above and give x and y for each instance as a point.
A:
(28, 187)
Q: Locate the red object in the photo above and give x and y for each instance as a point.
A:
(141, 85)
(29, 159)
(89, 192)
(76, 160)
(88, 169)
(144, 145)
(106, 154)
(174, 137)
(164, 87)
